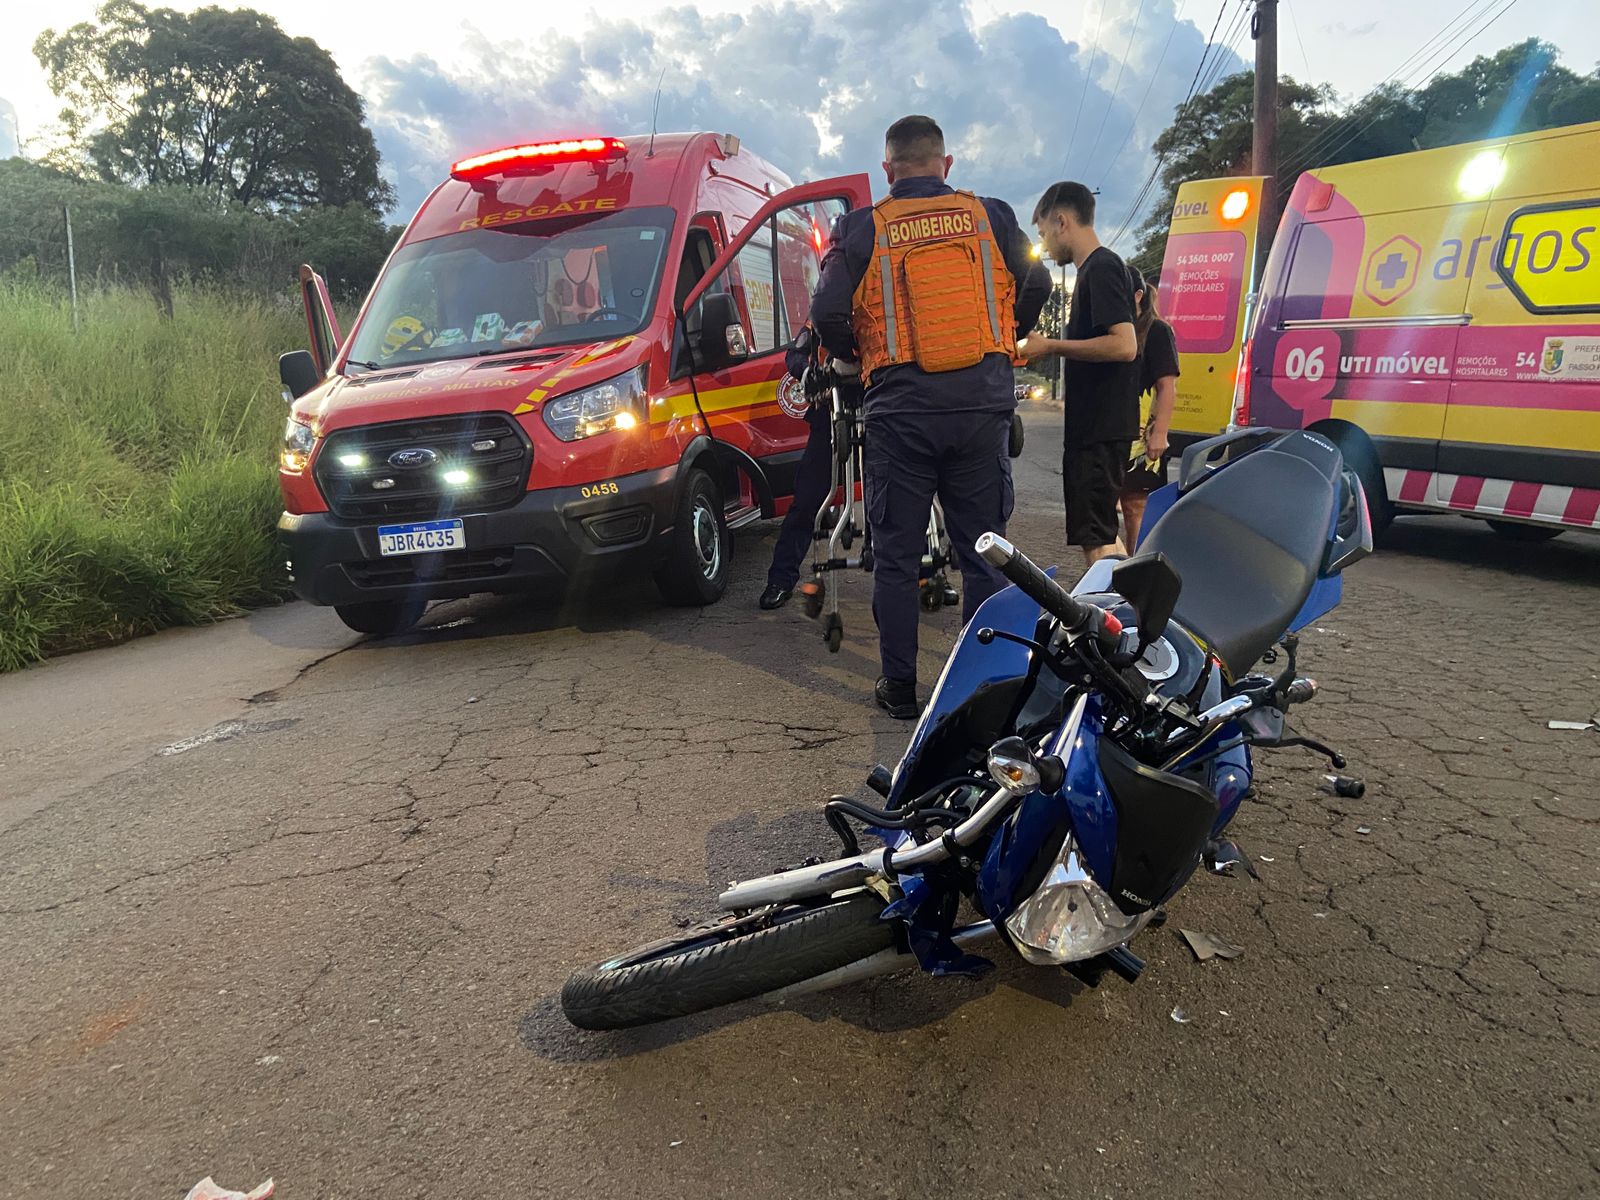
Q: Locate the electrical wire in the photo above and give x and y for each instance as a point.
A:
(1295, 24)
(1087, 76)
(1148, 88)
(1183, 104)
(1116, 87)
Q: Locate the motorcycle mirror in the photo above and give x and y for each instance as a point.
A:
(1151, 584)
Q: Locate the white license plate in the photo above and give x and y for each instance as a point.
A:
(423, 537)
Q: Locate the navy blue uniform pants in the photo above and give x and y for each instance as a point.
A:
(909, 459)
(811, 482)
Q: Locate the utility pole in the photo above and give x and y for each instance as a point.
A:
(1264, 146)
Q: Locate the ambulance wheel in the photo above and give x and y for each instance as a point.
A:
(1515, 531)
(384, 618)
(696, 568)
(1361, 458)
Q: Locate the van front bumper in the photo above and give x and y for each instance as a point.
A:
(546, 541)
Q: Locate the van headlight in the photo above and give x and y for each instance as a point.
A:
(1070, 917)
(298, 440)
(615, 404)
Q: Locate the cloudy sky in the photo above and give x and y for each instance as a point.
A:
(1027, 92)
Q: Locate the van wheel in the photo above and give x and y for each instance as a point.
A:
(696, 568)
(1515, 531)
(1357, 452)
(385, 618)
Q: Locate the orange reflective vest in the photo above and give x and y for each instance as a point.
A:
(937, 292)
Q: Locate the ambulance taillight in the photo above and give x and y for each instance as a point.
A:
(538, 154)
(1241, 389)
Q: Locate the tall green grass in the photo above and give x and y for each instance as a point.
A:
(137, 486)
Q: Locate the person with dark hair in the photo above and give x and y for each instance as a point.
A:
(1158, 392)
(930, 289)
(1102, 372)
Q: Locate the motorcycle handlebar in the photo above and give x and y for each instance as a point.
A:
(1075, 615)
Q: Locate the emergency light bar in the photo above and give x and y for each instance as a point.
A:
(496, 162)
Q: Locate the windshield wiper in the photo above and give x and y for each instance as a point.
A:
(370, 366)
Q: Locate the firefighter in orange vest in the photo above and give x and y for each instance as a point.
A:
(929, 290)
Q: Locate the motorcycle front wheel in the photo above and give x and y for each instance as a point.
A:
(723, 963)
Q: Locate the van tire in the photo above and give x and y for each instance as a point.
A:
(1358, 453)
(699, 549)
(1516, 531)
(382, 618)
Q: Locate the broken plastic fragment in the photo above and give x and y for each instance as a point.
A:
(1265, 858)
(1579, 726)
(1363, 829)
(1207, 946)
(1181, 1017)
(208, 1189)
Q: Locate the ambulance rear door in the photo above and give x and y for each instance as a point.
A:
(1206, 278)
(1522, 435)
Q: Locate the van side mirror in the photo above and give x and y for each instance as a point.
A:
(1151, 584)
(298, 371)
(722, 337)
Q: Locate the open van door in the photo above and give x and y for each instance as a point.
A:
(734, 326)
(321, 324)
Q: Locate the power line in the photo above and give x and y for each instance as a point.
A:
(1463, 19)
(1148, 88)
(1116, 87)
(1295, 24)
(1324, 145)
(1087, 75)
(1183, 104)
(1230, 44)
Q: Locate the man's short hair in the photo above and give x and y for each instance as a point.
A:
(1074, 197)
(914, 140)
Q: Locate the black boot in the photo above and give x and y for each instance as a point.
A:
(775, 596)
(897, 698)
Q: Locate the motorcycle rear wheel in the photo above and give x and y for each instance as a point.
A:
(719, 965)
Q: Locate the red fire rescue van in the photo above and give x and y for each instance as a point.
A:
(571, 366)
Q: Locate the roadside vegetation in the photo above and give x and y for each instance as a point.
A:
(136, 463)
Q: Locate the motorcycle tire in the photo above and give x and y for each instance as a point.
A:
(703, 969)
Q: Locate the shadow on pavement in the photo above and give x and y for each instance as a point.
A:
(1571, 558)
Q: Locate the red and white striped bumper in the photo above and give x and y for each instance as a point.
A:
(1548, 502)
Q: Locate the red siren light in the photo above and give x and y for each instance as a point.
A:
(496, 162)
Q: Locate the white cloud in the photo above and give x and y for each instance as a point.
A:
(810, 86)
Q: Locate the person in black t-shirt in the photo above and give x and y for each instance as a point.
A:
(1158, 392)
(1102, 371)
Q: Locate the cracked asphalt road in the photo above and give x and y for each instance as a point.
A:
(325, 946)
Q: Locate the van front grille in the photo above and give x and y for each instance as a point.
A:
(436, 467)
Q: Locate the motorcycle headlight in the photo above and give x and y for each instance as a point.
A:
(615, 404)
(298, 440)
(1070, 917)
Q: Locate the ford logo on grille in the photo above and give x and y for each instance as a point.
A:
(414, 458)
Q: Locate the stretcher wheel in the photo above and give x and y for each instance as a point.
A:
(833, 633)
(813, 592)
(932, 596)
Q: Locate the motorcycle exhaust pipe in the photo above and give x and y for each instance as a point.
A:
(884, 962)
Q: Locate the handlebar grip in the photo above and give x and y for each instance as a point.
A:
(1300, 691)
(1076, 615)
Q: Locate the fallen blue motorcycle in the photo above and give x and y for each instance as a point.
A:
(1081, 755)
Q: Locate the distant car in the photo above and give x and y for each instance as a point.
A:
(1022, 391)
(1037, 391)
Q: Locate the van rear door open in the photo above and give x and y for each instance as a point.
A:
(1206, 277)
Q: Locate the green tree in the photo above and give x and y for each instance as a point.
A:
(1522, 87)
(217, 99)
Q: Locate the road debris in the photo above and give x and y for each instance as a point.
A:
(208, 1189)
(1181, 1017)
(1576, 726)
(1267, 858)
(1363, 829)
(1207, 946)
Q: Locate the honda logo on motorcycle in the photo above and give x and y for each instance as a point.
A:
(413, 458)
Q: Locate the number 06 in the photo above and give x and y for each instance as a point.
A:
(1300, 364)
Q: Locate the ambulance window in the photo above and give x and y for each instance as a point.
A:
(698, 254)
(777, 270)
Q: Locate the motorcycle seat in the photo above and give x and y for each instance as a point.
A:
(1249, 541)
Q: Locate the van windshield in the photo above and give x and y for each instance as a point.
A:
(534, 283)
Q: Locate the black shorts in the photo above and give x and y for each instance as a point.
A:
(1092, 478)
